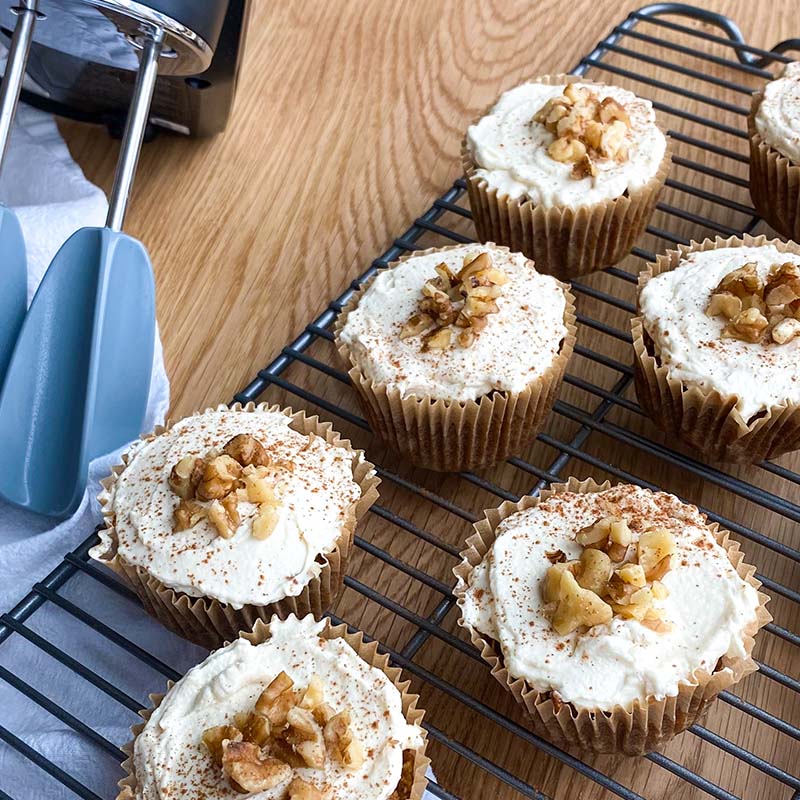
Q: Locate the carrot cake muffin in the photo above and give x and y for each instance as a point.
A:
(615, 600)
(251, 511)
(724, 321)
(774, 128)
(296, 714)
(446, 331)
(553, 146)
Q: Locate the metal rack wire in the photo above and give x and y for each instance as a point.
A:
(400, 580)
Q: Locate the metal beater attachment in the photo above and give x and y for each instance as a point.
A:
(79, 379)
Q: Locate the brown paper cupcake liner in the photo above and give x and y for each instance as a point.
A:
(774, 180)
(452, 435)
(416, 780)
(633, 731)
(704, 418)
(563, 241)
(209, 622)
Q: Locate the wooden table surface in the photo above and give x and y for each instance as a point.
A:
(347, 124)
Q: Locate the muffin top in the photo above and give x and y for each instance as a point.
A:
(778, 117)
(609, 597)
(232, 505)
(727, 319)
(458, 323)
(205, 739)
(567, 145)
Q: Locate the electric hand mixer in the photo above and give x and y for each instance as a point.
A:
(78, 379)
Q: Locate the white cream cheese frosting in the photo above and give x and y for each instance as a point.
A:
(314, 500)
(172, 763)
(778, 117)
(708, 604)
(688, 342)
(517, 346)
(510, 149)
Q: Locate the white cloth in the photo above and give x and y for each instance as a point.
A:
(52, 198)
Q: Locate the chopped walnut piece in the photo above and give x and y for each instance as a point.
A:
(256, 728)
(747, 326)
(265, 521)
(783, 284)
(742, 282)
(305, 735)
(221, 519)
(595, 570)
(653, 547)
(724, 305)
(341, 744)
(276, 700)
(258, 485)
(577, 606)
(786, 330)
(438, 339)
(552, 579)
(416, 325)
(187, 515)
(185, 476)
(555, 556)
(219, 478)
(247, 451)
(303, 790)
(251, 771)
(314, 694)
(213, 739)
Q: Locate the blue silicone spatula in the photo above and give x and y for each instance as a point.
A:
(13, 263)
(79, 377)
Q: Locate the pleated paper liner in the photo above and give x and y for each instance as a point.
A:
(412, 782)
(561, 240)
(644, 726)
(453, 435)
(209, 622)
(774, 180)
(704, 418)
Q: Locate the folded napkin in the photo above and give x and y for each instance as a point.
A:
(52, 199)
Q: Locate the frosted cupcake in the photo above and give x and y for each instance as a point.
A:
(457, 353)
(233, 515)
(566, 171)
(774, 130)
(613, 614)
(717, 344)
(296, 710)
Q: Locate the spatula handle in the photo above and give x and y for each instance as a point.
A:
(134, 129)
(15, 69)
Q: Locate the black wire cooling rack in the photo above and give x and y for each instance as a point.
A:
(748, 745)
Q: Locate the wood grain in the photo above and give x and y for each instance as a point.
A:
(347, 124)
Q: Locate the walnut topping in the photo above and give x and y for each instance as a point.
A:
(586, 129)
(287, 729)
(611, 578)
(755, 310)
(456, 306)
(185, 476)
(248, 451)
(302, 790)
(213, 487)
(249, 770)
